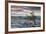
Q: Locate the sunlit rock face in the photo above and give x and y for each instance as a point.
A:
(21, 17)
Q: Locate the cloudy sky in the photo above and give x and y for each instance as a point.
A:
(25, 10)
